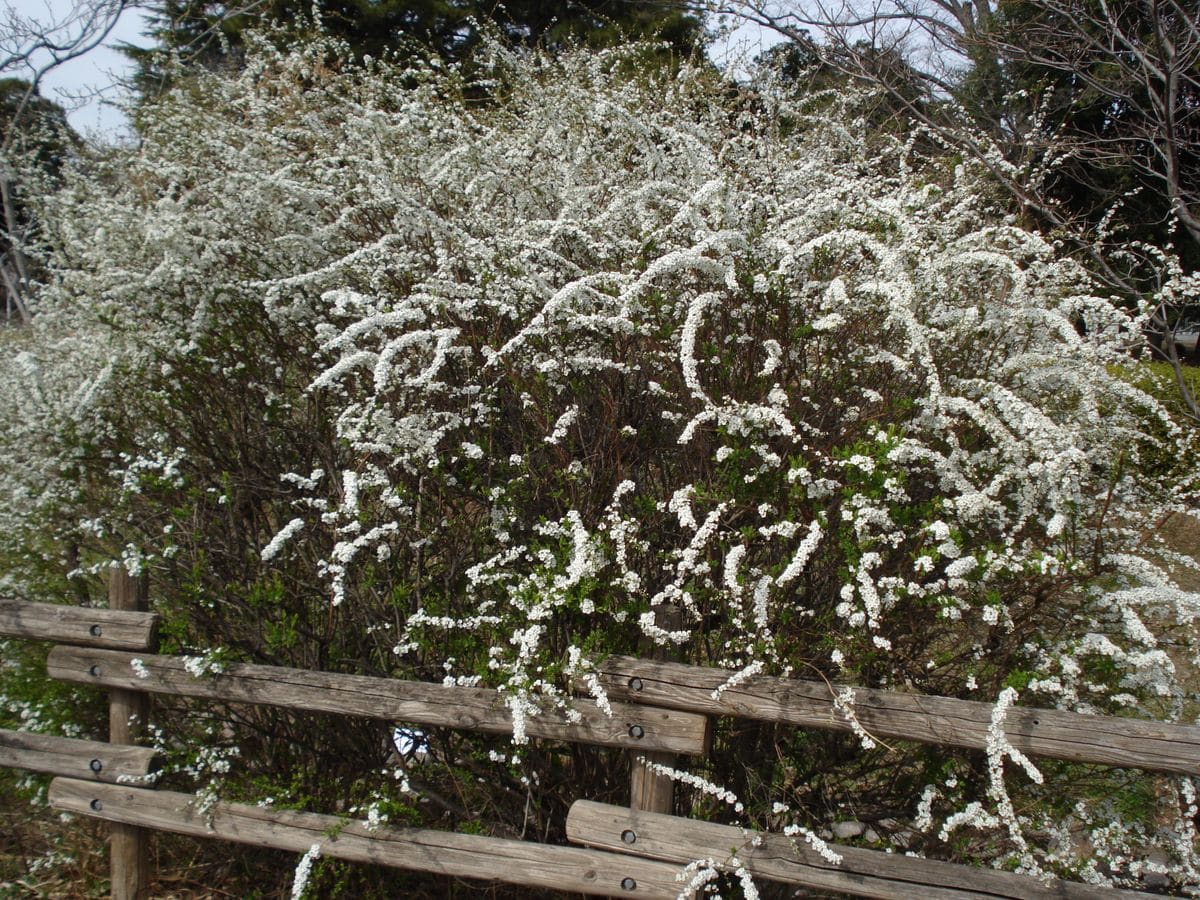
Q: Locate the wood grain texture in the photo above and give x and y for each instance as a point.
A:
(477, 709)
(111, 628)
(863, 873)
(128, 716)
(74, 758)
(568, 869)
(1110, 740)
(648, 789)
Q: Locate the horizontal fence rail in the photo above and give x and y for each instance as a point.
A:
(452, 706)
(75, 758)
(1109, 740)
(110, 628)
(864, 873)
(570, 869)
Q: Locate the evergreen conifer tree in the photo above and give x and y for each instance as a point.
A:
(210, 32)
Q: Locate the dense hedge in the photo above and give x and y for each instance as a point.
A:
(375, 370)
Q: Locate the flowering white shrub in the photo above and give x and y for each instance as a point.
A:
(401, 371)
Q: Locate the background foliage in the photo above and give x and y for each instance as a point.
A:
(204, 33)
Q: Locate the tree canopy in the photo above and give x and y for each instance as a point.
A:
(209, 32)
(1113, 91)
(1086, 112)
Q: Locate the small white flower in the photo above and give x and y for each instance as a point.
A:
(829, 322)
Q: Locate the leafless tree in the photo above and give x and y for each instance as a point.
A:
(31, 45)
(1135, 64)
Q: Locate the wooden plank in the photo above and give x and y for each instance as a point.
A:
(648, 789)
(475, 709)
(863, 873)
(568, 869)
(111, 628)
(75, 758)
(128, 716)
(1110, 740)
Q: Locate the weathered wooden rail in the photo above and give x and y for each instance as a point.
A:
(526, 863)
(75, 758)
(660, 709)
(470, 709)
(775, 857)
(113, 782)
(113, 628)
(1109, 740)
(126, 624)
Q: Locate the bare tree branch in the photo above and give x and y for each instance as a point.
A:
(1135, 66)
(30, 47)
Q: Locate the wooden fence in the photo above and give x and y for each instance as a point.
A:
(660, 709)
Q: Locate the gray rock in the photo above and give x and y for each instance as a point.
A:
(1156, 880)
(846, 830)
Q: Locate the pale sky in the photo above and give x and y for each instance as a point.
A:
(86, 87)
(733, 50)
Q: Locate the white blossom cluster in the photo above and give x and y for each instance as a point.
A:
(304, 871)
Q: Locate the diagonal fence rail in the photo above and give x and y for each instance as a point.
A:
(775, 857)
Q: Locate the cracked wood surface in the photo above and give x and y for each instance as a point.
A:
(74, 758)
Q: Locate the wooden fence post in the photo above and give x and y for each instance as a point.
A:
(127, 717)
(648, 790)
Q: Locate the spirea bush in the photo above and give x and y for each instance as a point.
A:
(478, 378)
